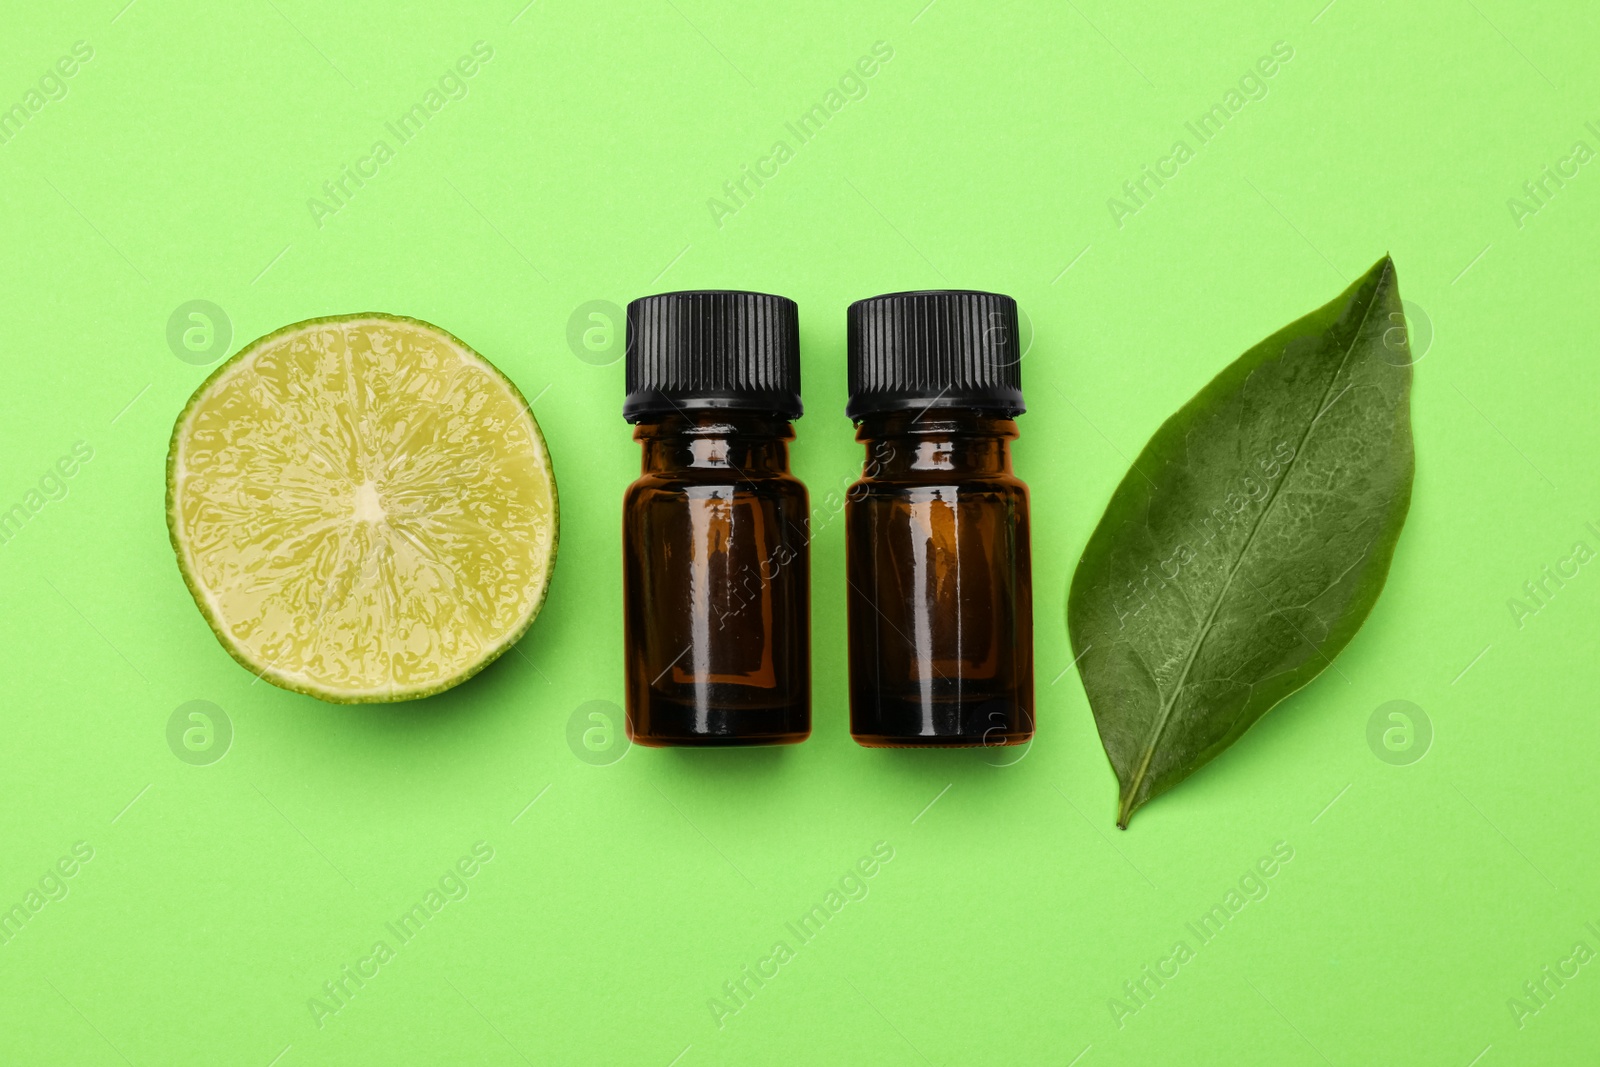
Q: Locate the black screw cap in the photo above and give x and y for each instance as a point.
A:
(939, 347)
(707, 349)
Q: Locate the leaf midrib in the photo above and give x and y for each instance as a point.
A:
(1165, 714)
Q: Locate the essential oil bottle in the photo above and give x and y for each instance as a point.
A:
(716, 575)
(940, 593)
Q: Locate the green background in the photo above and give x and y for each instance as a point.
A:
(578, 167)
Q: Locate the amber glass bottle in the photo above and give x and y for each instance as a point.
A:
(716, 577)
(940, 594)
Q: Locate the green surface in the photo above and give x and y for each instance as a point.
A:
(220, 897)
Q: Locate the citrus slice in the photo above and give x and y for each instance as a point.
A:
(363, 508)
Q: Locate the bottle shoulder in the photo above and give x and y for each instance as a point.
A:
(747, 483)
(906, 482)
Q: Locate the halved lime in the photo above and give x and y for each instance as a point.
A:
(363, 508)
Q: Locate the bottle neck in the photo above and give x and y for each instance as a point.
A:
(743, 444)
(938, 442)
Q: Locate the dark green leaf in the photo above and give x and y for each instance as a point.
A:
(1249, 541)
